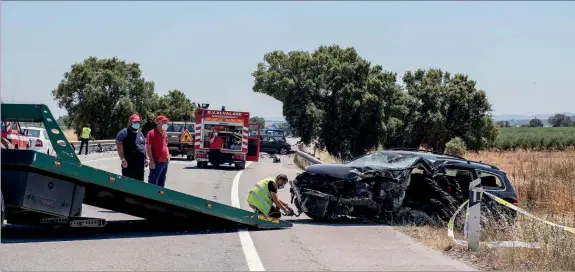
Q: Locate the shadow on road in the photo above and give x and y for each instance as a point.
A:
(16, 234)
(337, 223)
(180, 159)
(210, 167)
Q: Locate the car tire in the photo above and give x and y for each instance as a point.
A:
(240, 165)
(283, 151)
(190, 158)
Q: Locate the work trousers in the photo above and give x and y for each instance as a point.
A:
(82, 143)
(274, 211)
(135, 169)
(215, 157)
(157, 176)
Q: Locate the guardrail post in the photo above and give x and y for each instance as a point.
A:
(474, 218)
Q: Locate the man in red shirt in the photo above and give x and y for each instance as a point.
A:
(157, 151)
(216, 144)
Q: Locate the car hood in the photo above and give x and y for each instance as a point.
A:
(331, 169)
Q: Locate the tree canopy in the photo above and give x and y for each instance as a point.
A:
(257, 120)
(103, 93)
(349, 106)
(560, 120)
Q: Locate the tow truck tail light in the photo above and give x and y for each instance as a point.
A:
(238, 157)
(39, 143)
(202, 155)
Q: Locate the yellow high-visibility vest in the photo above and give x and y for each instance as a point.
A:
(260, 197)
(86, 133)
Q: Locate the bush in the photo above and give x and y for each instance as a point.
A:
(456, 147)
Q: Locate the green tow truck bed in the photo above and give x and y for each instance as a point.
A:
(39, 188)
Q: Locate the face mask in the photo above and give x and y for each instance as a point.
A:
(165, 127)
(135, 125)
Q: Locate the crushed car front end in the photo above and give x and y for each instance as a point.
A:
(383, 185)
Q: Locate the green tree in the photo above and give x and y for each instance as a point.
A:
(455, 146)
(177, 106)
(503, 124)
(535, 122)
(258, 120)
(333, 95)
(560, 120)
(104, 93)
(443, 107)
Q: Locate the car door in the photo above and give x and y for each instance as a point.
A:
(267, 145)
(254, 146)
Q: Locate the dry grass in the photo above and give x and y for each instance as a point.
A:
(545, 182)
(70, 135)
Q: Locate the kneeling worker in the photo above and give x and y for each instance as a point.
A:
(264, 194)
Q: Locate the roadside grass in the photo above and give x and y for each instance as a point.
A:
(545, 183)
(70, 135)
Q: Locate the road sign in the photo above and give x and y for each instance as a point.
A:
(186, 137)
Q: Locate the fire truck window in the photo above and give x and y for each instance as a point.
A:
(3, 127)
(15, 126)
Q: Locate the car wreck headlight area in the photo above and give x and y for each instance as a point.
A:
(416, 194)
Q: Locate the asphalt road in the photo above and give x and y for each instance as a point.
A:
(305, 246)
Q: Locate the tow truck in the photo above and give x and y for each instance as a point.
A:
(39, 189)
(233, 127)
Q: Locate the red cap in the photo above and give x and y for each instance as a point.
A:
(161, 118)
(134, 118)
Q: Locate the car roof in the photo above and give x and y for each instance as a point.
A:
(434, 157)
(36, 128)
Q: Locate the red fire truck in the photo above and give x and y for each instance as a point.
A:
(13, 136)
(232, 127)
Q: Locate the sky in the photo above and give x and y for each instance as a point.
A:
(521, 53)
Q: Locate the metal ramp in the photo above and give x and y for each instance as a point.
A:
(37, 187)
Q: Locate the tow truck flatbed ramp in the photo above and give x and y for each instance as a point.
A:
(36, 186)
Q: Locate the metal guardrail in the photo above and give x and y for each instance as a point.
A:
(92, 144)
(307, 156)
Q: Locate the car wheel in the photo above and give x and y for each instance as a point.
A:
(190, 158)
(283, 151)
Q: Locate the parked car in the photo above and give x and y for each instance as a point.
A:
(399, 183)
(269, 144)
(39, 140)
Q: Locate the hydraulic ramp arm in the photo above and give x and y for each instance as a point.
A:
(39, 187)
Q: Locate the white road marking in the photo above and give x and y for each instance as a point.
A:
(252, 257)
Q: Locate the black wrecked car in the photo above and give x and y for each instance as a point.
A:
(271, 145)
(401, 185)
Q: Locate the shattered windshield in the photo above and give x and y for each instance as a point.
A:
(382, 160)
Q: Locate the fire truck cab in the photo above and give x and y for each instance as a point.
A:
(234, 145)
(13, 134)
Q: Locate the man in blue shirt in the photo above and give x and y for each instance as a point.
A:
(131, 145)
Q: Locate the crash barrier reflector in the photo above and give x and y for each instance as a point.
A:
(450, 224)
